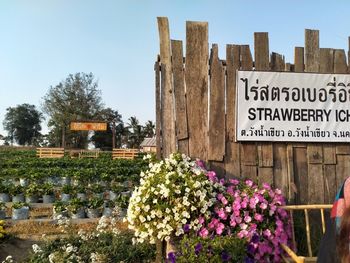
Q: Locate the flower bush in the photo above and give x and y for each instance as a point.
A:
(251, 213)
(104, 244)
(172, 195)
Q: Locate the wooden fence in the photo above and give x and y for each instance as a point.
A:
(195, 112)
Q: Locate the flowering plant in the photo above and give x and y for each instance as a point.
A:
(171, 197)
(252, 213)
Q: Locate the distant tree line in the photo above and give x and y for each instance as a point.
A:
(77, 98)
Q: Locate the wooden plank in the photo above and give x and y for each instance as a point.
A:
(261, 51)
(312, 57)
(249, 172)
(167, 90)
(277, 62)
(196, 76)
(330, 183)
(312, 50)
(179, 88)
(232, 156)
(265, 175)
(327, 66)
(342, 168)
(158, 109)
(280, 168)
(341, 67)
(301, 177)
(216, 150)
(292, 189)
(183, 146)
(299, 59)
(248, 149)
(261, 55)
(316, 184)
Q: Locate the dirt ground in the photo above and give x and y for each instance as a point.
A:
(18, 248)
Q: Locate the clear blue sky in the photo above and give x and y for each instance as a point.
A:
(42, 41)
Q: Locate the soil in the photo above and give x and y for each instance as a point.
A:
(18, 248)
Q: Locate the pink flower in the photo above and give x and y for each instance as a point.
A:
(203, 232)
(258, 217)
(249, 183)
(224, 201)
(213, 223)
(221, 213)
(201, 220)
(263, 206)
(211, 175)
(267, 232)
(242, 234)
(219, 228)
(247, 219)
(234, 181)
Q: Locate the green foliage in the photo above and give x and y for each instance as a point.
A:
(33, 189)
(59, 206)
(122, 201)
(18, 205)
(211, 250)
(67, 189)
(23, 124)
(95, 203)
(16, 189)
(75, 98)
(75, 204)
(48, 189)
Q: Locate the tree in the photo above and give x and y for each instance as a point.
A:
(76, 98)
(23, 124)
(104, 139)
(149, 128)
(135, 133)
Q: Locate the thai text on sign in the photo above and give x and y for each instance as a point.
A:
(88, 126)
(286, 106)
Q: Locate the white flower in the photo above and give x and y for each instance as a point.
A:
(36, 248)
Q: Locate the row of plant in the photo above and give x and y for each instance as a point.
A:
(93, 207)
(204, 219)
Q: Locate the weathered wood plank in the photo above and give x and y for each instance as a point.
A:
(179, 89)
(340, 66)
(316, 184)
(167, 91)
(327, 66)
(216, 151)
(301, 174)
(330, 185)
(218, 167)
(312, 56)
(280, 168)
(261, 55)
(292, 188)
(183, 146)
(312, 50)
(249, 158)
(277, 62)
(196, 76)
(158, 109)
(261, 51)
(232, 157)
(299, 59)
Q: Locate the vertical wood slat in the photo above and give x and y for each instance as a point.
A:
(340, 66)
(180, 96)
(158, 109)
(280, 168)
(232, 157)
(248, 149)
(329, 152)
(342, 168)
(265, 150)
(299, 59)
(314, 151)
(196, 76)
(301, 177)
(179, 89)
(216, 150)
(167, 101)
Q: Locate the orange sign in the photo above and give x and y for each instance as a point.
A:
(88, 126)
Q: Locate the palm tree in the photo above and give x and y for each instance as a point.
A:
(136, 134)
(149, 129)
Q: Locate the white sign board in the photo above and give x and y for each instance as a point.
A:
(286, 106)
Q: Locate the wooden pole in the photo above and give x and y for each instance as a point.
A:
(63, 136)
